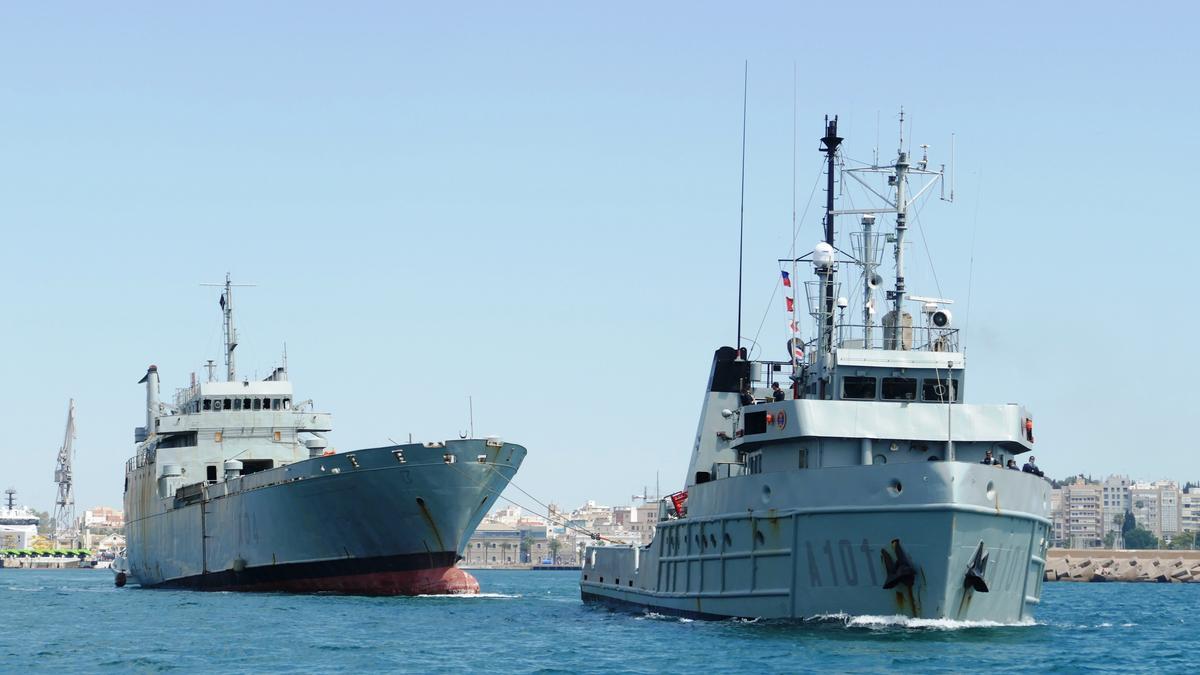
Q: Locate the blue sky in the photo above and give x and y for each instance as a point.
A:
(536, 205)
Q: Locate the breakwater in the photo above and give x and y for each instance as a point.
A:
(1101, 565)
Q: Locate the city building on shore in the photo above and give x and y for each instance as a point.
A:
(1091, 514)
(508, 537)
(102, 529)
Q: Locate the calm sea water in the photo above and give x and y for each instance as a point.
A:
(76, 621)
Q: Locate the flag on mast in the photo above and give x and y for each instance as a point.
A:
(787, 280)
(791, 304)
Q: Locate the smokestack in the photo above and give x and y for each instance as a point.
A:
(151, 381)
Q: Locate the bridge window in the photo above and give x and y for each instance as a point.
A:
(228, 404)
(941, 390)
(860, 388)
(246, 405)
(899, 389)
(237, 404)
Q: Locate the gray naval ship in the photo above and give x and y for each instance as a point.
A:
(860, 488)
(234, 487)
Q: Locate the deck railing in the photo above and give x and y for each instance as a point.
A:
(142, 458)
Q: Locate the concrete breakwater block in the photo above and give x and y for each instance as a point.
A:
(1144, 566)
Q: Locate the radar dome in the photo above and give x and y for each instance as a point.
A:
(822, 255)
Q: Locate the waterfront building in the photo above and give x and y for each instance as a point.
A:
(1168, 507)
(645, 522)
(1144, 506)
(1156, 507)
(1082, 502)
(1058, 519)
(494, 544)
(1189, 511)
(1116, 503)
(103, 517)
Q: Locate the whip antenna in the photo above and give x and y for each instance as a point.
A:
(742, 205)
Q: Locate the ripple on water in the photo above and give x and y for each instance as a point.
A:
(535, 623)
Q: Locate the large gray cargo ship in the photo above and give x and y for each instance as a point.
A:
(234, 487)
(863, 484)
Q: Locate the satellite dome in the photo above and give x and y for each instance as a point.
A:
(822, 255)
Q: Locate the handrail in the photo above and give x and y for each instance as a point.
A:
(144, 457)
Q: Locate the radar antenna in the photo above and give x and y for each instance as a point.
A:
(64, 507)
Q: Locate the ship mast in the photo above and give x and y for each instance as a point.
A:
(827, 269)
(901, 222)
(898, 175)
(231, 341)
(230, 331)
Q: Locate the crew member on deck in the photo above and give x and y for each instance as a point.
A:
(747, 396)
(987, 458)
(1031, 467)
(776, 392)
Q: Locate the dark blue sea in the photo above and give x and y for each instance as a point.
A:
(533, 622)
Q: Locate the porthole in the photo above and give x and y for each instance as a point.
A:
(895, 487)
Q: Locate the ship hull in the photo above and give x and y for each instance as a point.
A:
(382, 521)
(412, 574)
(820, 552)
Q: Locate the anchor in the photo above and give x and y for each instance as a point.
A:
(900, 570)
(975, 570)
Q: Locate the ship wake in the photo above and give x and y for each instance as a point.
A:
(470, 596)
(874, 622)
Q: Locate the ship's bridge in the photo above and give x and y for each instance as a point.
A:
(226, 396)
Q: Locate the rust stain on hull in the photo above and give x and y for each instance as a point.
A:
(432, 525)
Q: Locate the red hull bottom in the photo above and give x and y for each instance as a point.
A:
(432, 581)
